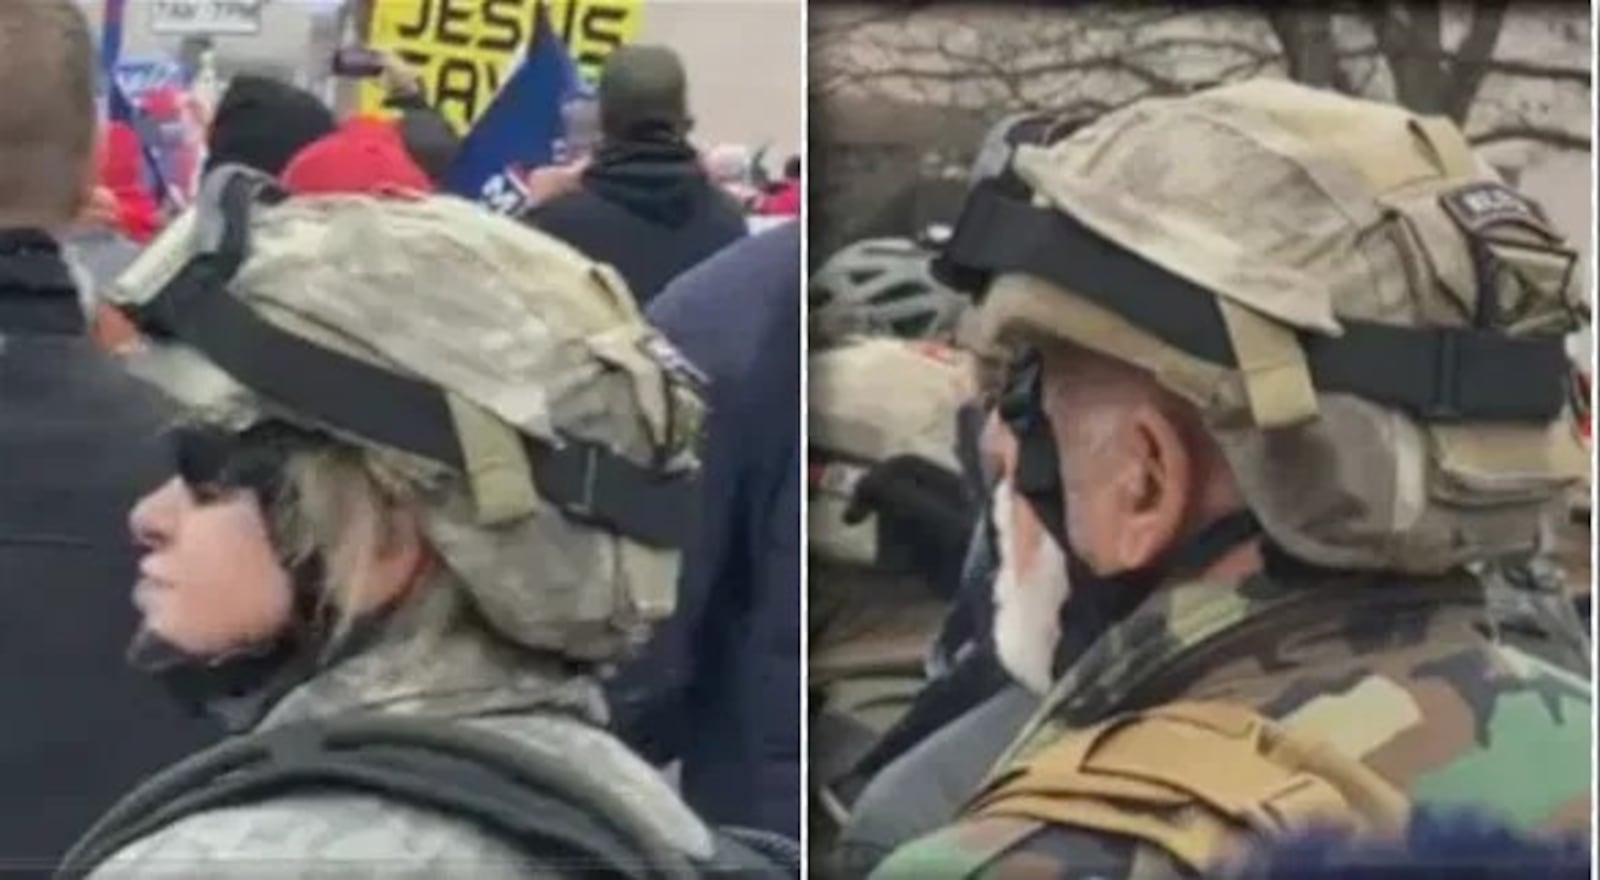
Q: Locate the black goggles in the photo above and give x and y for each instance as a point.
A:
(214, 462)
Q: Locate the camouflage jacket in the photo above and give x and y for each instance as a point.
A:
(433, 659)
(1416, 679)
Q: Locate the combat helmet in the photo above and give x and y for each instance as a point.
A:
(872, 399)
(1369, 320)
(546, 430)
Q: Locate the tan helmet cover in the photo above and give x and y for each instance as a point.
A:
(1302, 209)
(524, 335)
(871, 399)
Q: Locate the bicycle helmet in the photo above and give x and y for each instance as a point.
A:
(882, 287)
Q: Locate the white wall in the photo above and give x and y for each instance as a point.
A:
(744, 59)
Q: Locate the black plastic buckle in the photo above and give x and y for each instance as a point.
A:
(584, 507)
(954, 265)
(1444, 404)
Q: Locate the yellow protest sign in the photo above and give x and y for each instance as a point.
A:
(464, 48)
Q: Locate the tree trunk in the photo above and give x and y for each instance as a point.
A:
(1469, 67)
(1306, 35)
(1409, 39)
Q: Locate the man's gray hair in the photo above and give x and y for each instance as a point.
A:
(47, 119)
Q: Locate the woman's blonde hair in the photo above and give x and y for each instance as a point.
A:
(344, 504)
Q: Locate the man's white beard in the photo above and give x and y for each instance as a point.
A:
(1027, 612)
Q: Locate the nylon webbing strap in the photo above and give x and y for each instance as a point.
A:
(1444, 374)
(1037, 472)
(1436, 374)
(545, 808)
(1277, 379)
(585, 480)
(1441, 133)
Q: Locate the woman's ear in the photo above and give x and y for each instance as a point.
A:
(403, 554)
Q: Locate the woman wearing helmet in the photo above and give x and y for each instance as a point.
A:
(426, 486)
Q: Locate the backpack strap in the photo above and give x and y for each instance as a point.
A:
(753, 852)
(547, 808)
(1194, 780)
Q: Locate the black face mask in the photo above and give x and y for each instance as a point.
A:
(238, 688)
(1097, 602)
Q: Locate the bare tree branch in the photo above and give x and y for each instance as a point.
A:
(1502, 66)
(1553, 137)
(1091, 59)
(826, 24)
(1255, 50)
(1533, 70)
(996, 68)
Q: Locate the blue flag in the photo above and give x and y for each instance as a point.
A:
(520, 129)
(111, 35)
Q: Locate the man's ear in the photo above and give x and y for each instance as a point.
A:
(1153, 503)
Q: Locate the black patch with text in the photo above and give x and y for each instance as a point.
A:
(1482, 205)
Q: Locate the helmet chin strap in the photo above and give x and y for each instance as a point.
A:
(1096, 601)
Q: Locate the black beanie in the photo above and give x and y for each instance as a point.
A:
(262, 123)
(643, 91)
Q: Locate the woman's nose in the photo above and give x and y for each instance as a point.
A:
(151, 520)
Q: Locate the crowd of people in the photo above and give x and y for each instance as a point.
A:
(350, 528)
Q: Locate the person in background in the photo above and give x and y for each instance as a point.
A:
(719, 687)
(888, 521)
(425, 133)
(173, 122)
(783, 200)
(920, 772)
(730, 166)
(78, 443)
(642, 202)
(262, 123)
(137, 215)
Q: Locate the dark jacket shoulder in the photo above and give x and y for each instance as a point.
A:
(79, 442)
(646, 209)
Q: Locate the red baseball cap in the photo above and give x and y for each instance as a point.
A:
(365, 155)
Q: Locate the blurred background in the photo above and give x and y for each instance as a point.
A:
(743, 58)
(900, 97)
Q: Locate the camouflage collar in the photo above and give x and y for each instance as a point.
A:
(435, 657)
(1174, 623)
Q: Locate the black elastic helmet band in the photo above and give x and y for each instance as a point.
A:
(1436, 374)
(586, 480)
(1037, 472)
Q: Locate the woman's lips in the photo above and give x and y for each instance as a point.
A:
(144, 591)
